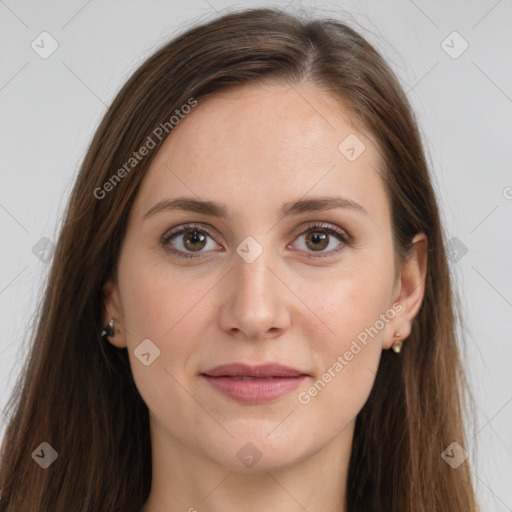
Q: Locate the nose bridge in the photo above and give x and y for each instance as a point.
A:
(253, 280)
(255, 304)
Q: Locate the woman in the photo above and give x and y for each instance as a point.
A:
(249, 305)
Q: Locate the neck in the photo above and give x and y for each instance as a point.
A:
(185, 480)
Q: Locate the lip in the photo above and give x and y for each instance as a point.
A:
(245, 370)
(254, 384)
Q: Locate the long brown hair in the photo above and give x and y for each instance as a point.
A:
(76, 391)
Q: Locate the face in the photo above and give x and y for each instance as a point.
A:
(312, 290)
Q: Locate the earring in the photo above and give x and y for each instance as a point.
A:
(108, 330)
(397, 345)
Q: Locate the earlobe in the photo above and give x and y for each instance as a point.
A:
(113, 320)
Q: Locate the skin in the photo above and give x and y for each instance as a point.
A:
(254, 148)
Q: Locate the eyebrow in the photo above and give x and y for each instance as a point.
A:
(288, 209)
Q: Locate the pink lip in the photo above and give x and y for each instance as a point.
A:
(254, 384)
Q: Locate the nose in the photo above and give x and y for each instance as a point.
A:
(255, 299)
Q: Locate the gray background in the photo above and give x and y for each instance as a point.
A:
(50, 108)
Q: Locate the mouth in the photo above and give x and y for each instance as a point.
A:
(254, 384)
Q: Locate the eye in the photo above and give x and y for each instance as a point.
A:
(318, 238)
(195, 239)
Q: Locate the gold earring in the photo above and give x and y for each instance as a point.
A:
(397, 345)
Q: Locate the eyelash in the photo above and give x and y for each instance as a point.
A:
(327, 228)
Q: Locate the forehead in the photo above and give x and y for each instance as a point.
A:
(265, 146)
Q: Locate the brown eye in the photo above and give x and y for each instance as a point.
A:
(194, 240)
(185, 240)
(319, 237)
(317, 240)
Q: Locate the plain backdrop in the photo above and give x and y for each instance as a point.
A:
(453, 59)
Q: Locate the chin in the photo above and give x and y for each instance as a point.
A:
(252, 454)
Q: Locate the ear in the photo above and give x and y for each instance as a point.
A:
(112, 309)
(409, 291)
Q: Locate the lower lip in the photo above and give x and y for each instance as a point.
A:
(255, 391)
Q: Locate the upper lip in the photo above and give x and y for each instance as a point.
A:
(262, 370)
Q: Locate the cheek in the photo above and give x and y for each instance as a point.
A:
(168, 307)
(159, 300)
(350, 303)
(148, 307)
(159, 306)
(354, 307)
